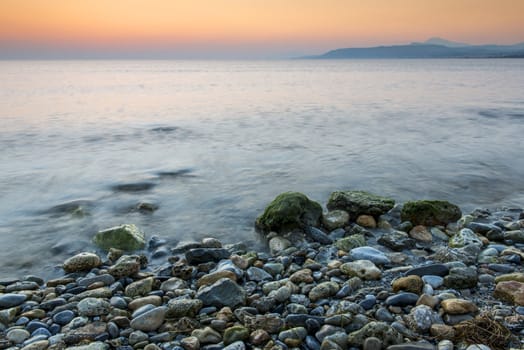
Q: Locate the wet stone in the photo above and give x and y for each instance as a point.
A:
(432, 269)
(402, 299)
(9, 300)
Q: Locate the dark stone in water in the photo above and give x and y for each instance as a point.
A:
(134, 187)
(203, 255)
(402, 299)
(164, 129)
(175, 173)
(433, 269)
(75, 208)
(318, 236)
(299, 320)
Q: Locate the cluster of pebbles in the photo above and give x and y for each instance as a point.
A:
(349, 279)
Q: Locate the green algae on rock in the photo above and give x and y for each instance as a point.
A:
(430, 212)
(360, 202)
(288, 211)
(125, 237)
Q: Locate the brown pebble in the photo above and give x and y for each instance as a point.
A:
(442, 331)
(412, 283)
(366, 221)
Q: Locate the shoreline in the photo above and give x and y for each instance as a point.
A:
(359, 276)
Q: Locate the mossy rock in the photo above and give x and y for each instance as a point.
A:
(430, 212)
(288, 211)
(350, 242)
(360, 202)
(124, 237)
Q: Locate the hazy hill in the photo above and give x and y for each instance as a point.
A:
(432, 48)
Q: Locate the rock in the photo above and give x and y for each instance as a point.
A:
(380, 330)
(137, 303)
(106, 279)
(431, 269)
(133, 187)
(369, 253)
(139, 288)
(125, 237)
(215, 276)
(402, 299)
(412, 346)
(430, 212)
(372, 343)
(259, 337)
(183, 307)
(238, 345)
(173, 284)
(150, 320)
(461, 278)
(335, 219)
(323, 290)
(37, 345)
(356, 203)
(516, 276)
(396, 240)
(190, 343)
(411, 283)
(197, 256)
(516, 236)
(510, 291)
(17, 336)
(463, 238)
(93, 307)
(63, 317)
(126, 265)
(222, 293)
(293, 337)
(366, 221)
(442, 331)
(350, 242)
(82, 262)
(11, 299)
(278, 244)
(456, 306)
(364, 269)
(207, 335)
(288, 211)
(301, 276)
(235, 333)
(421, 233)
(318, 236)
(258, 275)
(421, 318)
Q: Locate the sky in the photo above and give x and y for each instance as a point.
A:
(244, 28)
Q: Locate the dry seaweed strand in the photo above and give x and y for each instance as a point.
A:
(483, 330)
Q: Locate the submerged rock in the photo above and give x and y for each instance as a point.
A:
(288, 211)
(430, 212)
(360, 202)
(125, 237)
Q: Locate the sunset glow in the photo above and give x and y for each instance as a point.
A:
(269, 28)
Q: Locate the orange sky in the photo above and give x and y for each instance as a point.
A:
(274, 27)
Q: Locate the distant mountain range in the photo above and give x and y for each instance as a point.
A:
(432, 48)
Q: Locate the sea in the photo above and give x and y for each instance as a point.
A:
(87, 145)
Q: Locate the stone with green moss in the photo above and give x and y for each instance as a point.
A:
(125, 237)
(288, 211)
(235, 333)
(430, 212)
(350, 242)
(360, 202)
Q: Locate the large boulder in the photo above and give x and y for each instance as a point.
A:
(359, 202)
(125, 237)
(430, 212)
(288, 211)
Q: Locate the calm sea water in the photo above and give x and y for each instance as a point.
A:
(216, 141)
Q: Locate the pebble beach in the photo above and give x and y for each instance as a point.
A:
(357, 272)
